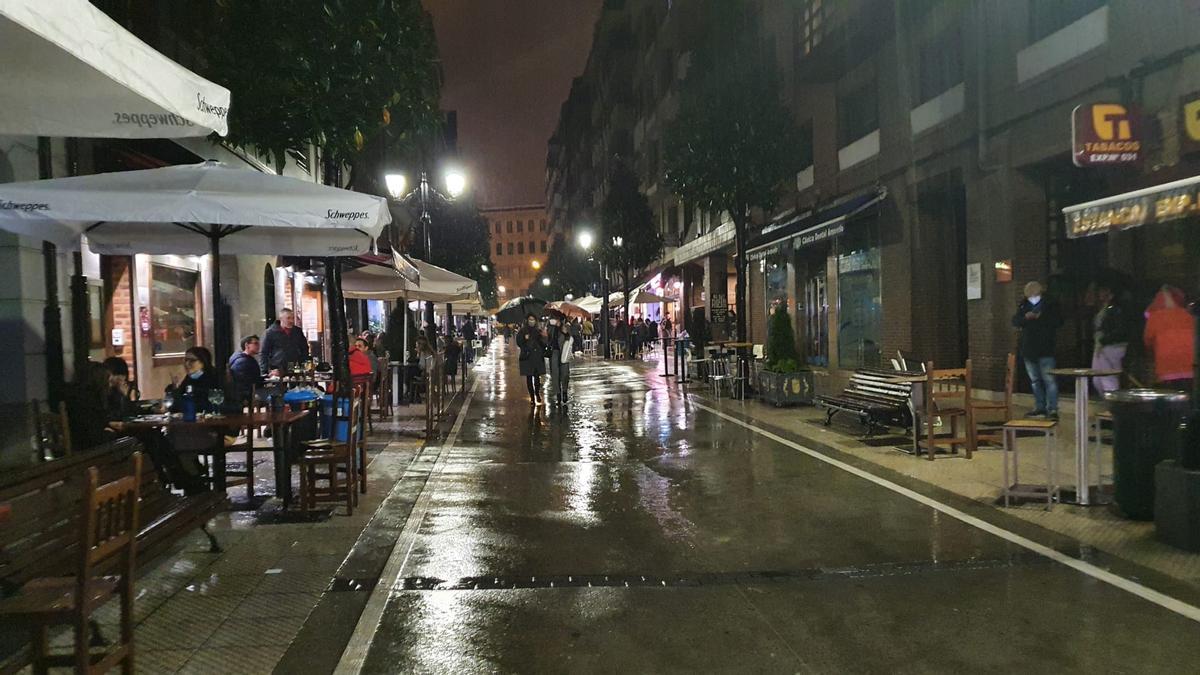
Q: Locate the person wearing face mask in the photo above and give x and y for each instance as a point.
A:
(562, 347)
(533, 345)
(1038, 318)
(199, 374)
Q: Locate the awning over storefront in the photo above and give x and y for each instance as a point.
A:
(380, 281)
(813, 227)
(66, 69)
(1158, 204)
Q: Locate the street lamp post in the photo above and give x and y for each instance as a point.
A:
(586, 240)
(422, 195)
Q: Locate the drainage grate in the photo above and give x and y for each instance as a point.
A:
(487, 583)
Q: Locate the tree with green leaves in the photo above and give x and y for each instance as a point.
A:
(569, 270)
(628, 238)
(733, 143)
(461, 245)
(357, 78)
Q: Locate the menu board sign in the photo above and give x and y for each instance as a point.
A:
(1105, 134)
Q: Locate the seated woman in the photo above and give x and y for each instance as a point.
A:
(201, 378)
(122, 397)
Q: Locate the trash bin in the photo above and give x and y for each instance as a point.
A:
(1146, 430)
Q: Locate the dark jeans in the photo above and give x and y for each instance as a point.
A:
(534, 382)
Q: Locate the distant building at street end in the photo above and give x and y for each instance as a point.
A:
(520, 240)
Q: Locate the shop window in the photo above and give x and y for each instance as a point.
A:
(1049, 16)
(173, 308)
(859, 307)
(775, 275)
(939, 66)
(816, 317)
(858, 114)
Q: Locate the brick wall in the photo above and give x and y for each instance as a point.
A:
(117, 273)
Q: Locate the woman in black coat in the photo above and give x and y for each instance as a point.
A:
(534, 345)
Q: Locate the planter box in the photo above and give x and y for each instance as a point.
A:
(780, 389)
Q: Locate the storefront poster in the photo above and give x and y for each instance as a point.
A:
(1104, 134)
(718, 309)
(974, 281)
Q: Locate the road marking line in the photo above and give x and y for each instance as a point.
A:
(1149, 594)
(355, 654)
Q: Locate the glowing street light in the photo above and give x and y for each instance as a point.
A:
(456, 183)
(545, 281)
(618, 241)
(483, 268)
(586, 240)
(536, 265)
(500, 289)
(397, 184)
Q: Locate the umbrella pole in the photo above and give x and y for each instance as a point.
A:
(404, 350)
(220, 329)
(337, 316)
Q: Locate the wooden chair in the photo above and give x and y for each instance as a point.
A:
(53, 431)
(947, 396)
(332, 461)
(108, 528)
(988, 406)
(383, 396)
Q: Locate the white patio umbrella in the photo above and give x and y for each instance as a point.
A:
(195, 209)
(436, 284)
(66, 69)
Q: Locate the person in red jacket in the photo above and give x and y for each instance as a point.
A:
(360, 363)
(1170, 332)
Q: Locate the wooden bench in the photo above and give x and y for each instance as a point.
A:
(41, 535)
(874, 399)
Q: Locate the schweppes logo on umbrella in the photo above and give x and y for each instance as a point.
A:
(1105, 133)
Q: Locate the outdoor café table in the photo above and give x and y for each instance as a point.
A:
(281, 423)
(1081, 375)
(916, 399)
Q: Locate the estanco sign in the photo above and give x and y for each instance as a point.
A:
(1105, 133)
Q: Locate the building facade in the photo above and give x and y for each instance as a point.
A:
(520, 238)
(938, 160)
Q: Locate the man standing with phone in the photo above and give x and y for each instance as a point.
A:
(1038, 318)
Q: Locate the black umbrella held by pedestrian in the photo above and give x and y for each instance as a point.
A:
(514, 311)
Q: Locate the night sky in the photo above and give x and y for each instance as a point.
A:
(508, 67)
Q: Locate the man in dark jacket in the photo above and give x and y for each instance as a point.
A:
(1038, 318)
(244, 369)
(284, 344)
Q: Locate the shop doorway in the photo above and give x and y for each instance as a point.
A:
(940, 327)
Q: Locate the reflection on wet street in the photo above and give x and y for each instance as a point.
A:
(635, 532)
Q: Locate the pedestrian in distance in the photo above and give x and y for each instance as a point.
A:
(1170, 335)
(1110, 338)
(665, 327)
(284, 344)
(1038, 318)
(562, 348)
(533, 345)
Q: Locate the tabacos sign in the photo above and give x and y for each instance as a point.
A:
(1104, 134)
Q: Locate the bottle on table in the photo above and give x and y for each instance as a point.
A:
(188, 405)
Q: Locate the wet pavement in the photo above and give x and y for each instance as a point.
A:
(637, 530)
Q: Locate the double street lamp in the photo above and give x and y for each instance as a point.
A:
(422, 195)
(586, 241)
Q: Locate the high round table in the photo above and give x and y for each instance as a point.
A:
(1082, 377)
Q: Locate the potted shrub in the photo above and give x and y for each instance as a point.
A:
(781, 380)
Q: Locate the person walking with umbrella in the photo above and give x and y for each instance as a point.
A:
(533, 345)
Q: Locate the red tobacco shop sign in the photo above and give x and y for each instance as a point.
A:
(1105, 134)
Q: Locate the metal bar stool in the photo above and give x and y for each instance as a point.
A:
(1013, 488)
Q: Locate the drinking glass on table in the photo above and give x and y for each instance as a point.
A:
(217, 398)
(168, 401)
